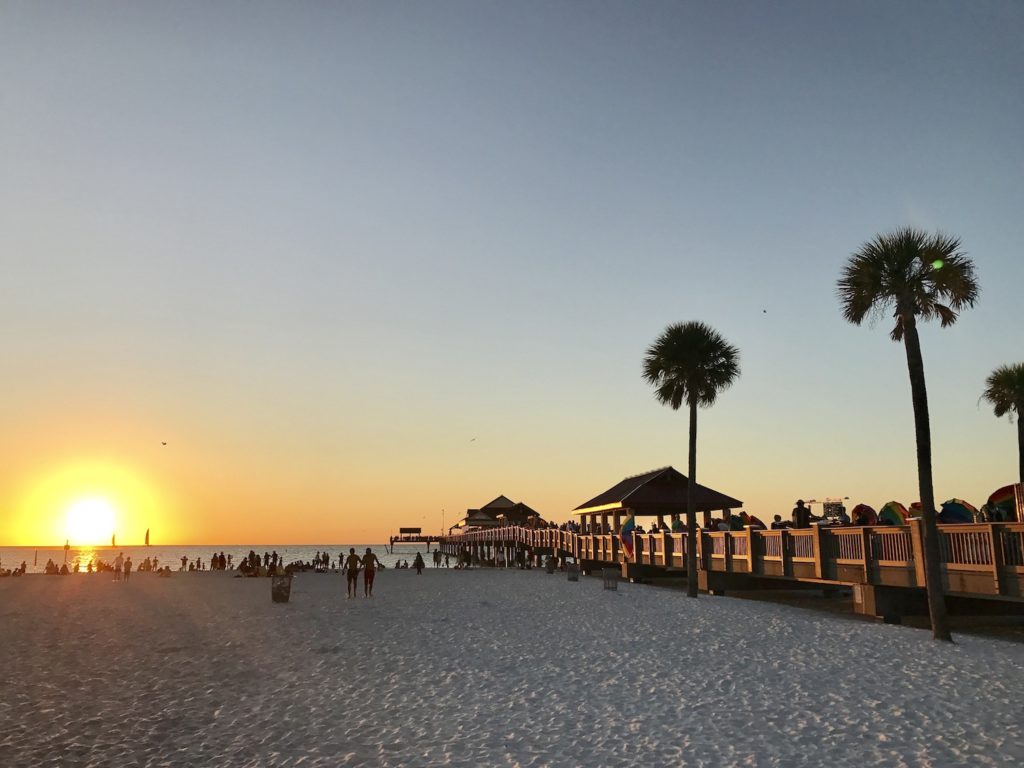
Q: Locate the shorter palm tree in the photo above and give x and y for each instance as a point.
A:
(691, 363)
(1004, 391)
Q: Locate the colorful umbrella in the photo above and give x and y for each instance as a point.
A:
(862, 514)
(1005, 501)
(957, 511)
(893, 513)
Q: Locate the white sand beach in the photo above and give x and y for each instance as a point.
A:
(481, 668)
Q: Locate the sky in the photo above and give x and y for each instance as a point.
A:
(367, 265)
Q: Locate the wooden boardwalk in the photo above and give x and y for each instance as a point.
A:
(883, 565)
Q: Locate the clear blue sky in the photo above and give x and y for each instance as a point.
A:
(319, 247)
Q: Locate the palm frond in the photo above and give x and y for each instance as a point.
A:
(690, 363)
(911, 273)
(1004, 389)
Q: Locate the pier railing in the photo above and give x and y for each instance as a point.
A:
(985, 559)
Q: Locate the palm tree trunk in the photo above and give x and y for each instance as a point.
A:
(691, 513)
(1020, 442)
(919, 394)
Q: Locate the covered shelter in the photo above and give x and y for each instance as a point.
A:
(498, 512)
(658, 493)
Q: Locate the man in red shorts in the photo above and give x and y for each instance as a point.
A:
(352, 570)
(370, 566)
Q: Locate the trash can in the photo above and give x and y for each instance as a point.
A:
(280, 588)
(573, 571)
(610, 577)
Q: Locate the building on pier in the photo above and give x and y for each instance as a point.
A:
(501, 511)
(660, 493)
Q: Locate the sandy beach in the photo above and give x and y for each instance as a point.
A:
(481, 668)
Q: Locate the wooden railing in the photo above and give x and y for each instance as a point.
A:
(976, 558)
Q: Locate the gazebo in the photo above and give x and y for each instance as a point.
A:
(657, 493)
(498, 512)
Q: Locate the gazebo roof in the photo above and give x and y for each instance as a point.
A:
(659, 492)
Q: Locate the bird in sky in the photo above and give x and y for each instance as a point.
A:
(163, 443)
(473, 440)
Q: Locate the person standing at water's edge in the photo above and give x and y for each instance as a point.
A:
(370, 565)
(118, 565)
(351, 568)
(127, 568)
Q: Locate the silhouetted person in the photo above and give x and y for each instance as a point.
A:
(370, 565)
(118, 565)
(351, 569)
(127, 568)
(801, 515)
(418, 563)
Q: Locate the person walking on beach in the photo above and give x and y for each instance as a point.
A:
(127, 568)
(118, 565)
(418, 563)
(352, 563)
(370, 565)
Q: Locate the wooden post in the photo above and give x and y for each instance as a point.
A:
(865, 544)
(751, 555)
(819, 552)
(787, 562)
(996, 550)
(917, 543)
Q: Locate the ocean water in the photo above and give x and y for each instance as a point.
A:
(35, 557)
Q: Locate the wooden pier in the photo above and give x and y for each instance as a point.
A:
(982, 564)
(412, 536)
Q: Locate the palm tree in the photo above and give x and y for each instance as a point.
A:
(917, 277)
(691, 363)
(1004, 391)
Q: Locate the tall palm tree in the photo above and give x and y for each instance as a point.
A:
(690, 363)
(917, 277)
(1004, 390)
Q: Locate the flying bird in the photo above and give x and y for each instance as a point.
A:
(163, 443)
(473, 440)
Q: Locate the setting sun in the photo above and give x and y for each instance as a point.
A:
(90, 521)
(86, 503)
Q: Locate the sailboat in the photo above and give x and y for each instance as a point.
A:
(147, 537)
(113, 541)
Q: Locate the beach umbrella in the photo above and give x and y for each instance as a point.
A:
(864, 513)
(957, 511)
(1005, 501)
(893, 513)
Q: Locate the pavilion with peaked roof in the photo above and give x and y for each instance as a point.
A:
(498, 512)
(659, 493)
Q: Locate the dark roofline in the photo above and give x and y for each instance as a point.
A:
(643, 495)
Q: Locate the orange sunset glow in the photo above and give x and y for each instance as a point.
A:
(85, 504)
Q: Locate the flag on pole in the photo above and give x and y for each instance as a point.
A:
(626, 535)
